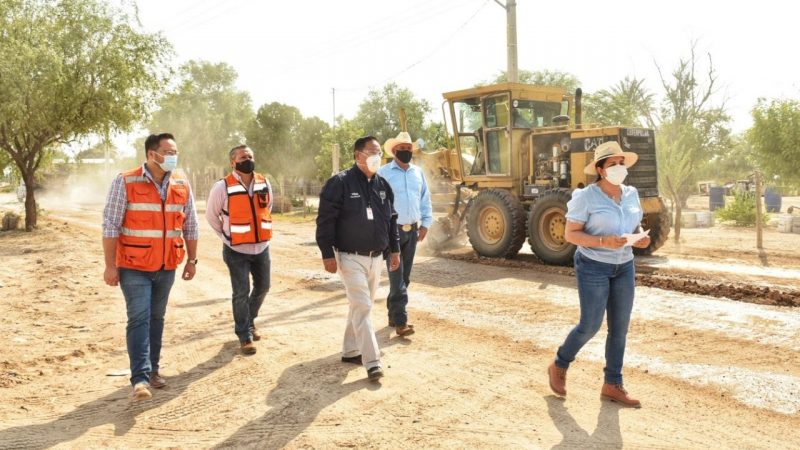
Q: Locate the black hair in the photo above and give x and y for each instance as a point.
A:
(362, 142)
(154, 140)
(232, 153)
(599, 165)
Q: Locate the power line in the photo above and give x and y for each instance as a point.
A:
(366, 35)
(433, 52)
(192, 20)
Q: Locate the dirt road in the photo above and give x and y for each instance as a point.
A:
(711, 372)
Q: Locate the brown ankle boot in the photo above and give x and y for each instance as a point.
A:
(617, 393)
(558, 379)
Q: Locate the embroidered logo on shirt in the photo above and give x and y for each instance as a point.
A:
(383, 195)
(355, 195)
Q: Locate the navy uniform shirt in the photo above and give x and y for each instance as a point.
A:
(342, 220)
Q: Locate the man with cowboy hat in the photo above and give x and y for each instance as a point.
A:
(412, 201)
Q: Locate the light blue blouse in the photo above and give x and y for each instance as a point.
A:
(602, 216)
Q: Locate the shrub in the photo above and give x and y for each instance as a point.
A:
(742, 211)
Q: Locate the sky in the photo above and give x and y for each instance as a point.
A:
(298, 52)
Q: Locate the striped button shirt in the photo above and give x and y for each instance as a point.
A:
(117, 202)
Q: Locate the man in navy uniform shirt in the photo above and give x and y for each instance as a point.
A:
(356, 227)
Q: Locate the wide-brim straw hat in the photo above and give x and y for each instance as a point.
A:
(607, 150)
(402, 138)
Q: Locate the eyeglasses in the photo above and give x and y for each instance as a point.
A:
(371, 153)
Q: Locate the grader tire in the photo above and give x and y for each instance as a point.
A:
(546, 225)
(496, 223)
(659, 224)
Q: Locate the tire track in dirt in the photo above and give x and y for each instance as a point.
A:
(647, 275)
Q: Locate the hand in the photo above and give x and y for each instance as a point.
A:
(642, 243)
(330, 264)
(613, 241)
(394, 261)
(421, 233)
(111, 276)
(188, 271)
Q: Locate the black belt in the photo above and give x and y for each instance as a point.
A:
(370, 254)
(408, 228)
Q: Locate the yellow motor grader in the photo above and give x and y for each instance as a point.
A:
(519, 151)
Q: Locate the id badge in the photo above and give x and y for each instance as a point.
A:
(369, 213)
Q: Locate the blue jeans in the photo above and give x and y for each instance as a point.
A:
(146, 295)
(602, 288)
(246, 303)
(400, 279)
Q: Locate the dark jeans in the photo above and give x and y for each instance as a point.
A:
(401, 278)
(246, 303)
(146, 295)
(604, 289)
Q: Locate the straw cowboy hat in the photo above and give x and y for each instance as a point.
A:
(607, 150)
(402, 138)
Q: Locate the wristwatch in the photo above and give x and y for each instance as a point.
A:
(192, 261)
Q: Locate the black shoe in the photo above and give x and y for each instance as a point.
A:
(352, 359)
(374, 373)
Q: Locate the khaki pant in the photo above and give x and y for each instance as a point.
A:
(360, 275)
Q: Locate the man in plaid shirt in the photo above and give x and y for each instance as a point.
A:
(149, 225)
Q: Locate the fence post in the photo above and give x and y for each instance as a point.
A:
(759, 213)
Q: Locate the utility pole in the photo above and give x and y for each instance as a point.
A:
(335, 149)
(759, 213)
(512, 71)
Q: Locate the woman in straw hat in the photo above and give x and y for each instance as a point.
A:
(597, 218)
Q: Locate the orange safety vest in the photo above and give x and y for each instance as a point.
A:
(249, 220)
(150, 238)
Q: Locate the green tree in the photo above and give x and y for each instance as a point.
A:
(626, 103)
(69, 69)
(286, 141)
(557, 78)
(775, 138)
(206, 113)
(311, 138)
(344, 135)
(733, 162)
(691, 130)
(379, 113)
(5, 161)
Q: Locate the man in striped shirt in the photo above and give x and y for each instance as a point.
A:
(149, 225)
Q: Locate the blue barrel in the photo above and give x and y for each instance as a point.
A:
(772, 199)
(716, 198)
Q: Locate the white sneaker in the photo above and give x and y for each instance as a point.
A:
(141, 392)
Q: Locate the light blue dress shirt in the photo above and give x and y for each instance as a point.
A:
(602, 216)
(412, 199)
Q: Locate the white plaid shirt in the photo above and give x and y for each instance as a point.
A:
(117, 202)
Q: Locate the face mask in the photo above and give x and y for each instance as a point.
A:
(169, 164)
(616, 174)
(246, 166)
(374, 163)
(404, 156)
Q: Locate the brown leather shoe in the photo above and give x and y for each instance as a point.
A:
(248, 348)
(256, 335)
(157, 381)
(558, 378)
(617, 393)
(405, 330)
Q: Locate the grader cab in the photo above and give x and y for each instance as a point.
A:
(519, 152)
